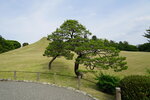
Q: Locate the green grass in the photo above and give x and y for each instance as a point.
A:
(137, 62)
(30, 58)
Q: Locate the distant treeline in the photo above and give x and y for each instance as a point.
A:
(144, 47)
(7, 45)
(125, 46)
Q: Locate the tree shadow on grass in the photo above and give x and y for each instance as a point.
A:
(57, 67)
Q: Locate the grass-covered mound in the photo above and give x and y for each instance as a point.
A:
(30, 58)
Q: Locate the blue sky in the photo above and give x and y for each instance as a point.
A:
(119, 20)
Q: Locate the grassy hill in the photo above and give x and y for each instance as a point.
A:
(138, 63)
(30, 58)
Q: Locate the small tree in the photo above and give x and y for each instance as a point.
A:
(25, 44)
(90, 52)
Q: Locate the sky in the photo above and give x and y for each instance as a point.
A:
(118, 20)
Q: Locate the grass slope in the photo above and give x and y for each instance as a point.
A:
(30, 58)
(138, 63)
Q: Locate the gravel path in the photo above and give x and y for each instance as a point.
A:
(10, 90)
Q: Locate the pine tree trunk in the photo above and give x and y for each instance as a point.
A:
(50, 63)
(76, 67)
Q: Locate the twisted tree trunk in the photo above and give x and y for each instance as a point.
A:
(50, 63)
(76, 67)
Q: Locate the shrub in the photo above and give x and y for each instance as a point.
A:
(135, 88)
(7, 45)
(25, 44)
(107, 83)
(148, 71)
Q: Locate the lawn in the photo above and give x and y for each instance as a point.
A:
(30, 58)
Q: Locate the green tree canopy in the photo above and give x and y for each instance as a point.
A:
(25, 44)
(145, 46)
(57, 48)
(7, 45)
(147, 34)
(93, 53)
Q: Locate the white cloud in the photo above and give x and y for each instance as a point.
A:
(123, 25)
(143, 18)
(43, 17)
(33, 25)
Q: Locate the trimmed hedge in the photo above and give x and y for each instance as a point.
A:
(135, 88)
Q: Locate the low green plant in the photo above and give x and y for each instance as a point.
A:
(148, 71)
(135, 87)
(107, 83)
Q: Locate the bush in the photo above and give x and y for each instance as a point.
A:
(148, 71)
(7, 45)
(107, 83)
(135, 88)
(25, 44)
